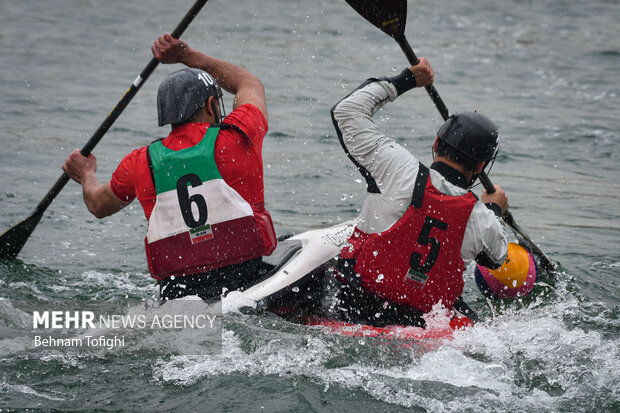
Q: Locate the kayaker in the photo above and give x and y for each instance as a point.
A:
(201, 187)
(418, 225)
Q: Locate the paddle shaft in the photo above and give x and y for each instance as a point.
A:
(103, 128)
(14, 239)
(432, 92)
(101, 131)
(441, 107)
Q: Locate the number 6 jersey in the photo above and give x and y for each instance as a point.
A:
(199, 222)
(238, 157)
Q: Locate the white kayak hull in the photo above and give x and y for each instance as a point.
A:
(297, 271)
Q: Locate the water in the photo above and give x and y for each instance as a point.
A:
(546, 72)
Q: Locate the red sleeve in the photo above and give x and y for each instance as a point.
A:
(123, 179)
(132, 179)
(251, 121)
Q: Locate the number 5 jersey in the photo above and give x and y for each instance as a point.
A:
(416, 225)
(204, 196)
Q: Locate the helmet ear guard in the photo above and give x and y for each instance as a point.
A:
(217, 106)
(220, 113)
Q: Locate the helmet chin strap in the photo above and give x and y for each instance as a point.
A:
(475, 176)
(220, 113)
(216, 113)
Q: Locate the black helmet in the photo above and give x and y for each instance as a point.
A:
(472, 134)
(183, 92)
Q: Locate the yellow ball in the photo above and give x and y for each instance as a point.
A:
(516, 276)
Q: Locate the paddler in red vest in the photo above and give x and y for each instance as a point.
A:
(201, 187)
(418, 225)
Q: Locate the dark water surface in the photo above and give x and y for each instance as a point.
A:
(546, 72)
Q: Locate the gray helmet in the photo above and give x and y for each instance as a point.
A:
(183, 92)
(472, 134)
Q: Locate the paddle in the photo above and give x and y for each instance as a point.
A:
(13, 240)
(390, 16)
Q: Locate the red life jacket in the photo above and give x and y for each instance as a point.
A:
(416, 262)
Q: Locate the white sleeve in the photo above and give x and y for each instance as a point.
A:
(484, 233)
(392, 167)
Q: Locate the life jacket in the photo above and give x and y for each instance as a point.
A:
(199, 223)
(417, 261)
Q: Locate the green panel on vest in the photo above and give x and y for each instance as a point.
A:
(169, 165)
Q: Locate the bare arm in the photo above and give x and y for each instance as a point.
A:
(99, 199)
(246, 87)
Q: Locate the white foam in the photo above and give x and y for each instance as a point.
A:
(500, 363)
(23, 389)
(236, 300)
(121, 281)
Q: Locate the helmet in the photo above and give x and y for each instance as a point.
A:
(183, 92)
(472, 134)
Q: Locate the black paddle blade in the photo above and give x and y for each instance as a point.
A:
(13, 240)
(390, 16)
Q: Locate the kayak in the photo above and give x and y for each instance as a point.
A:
(432, 332)
(295, 273)
(294, 284)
